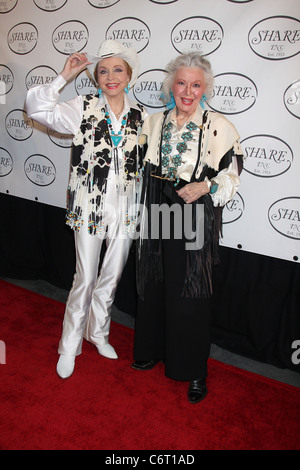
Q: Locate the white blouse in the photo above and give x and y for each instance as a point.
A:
(43, 106)
(228, 179)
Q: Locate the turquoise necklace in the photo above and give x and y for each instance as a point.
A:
(172, 163)
(116, 139)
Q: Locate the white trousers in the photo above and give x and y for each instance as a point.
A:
(88, 308)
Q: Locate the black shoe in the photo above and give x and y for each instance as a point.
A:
(197, 390)
(145, 365)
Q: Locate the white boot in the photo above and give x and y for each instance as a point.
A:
(107, 350)
(65, 366)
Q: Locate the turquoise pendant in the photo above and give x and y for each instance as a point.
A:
(116, 139)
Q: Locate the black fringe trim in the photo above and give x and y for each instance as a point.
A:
(198, 278)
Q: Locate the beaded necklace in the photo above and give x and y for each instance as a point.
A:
(116, 139)
(171, 163)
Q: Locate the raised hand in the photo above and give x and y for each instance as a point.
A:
(75, 63)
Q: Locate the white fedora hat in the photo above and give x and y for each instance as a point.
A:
(112, 48)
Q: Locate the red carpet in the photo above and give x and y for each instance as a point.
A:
(107, 405)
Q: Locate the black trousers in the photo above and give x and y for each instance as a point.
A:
(170, 327)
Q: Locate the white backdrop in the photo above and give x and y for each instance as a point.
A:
(253, 46)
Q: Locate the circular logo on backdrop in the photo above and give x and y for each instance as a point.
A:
(284, 216)
(69, 37)
(50, 5)
(292, 99)
(266, 156)
(62, 140)
(6, 162)
(84, 85)
(40, 170)
(233, 93)
(233, 210)
(131, 32)
(40, 75)
(163, 1)
(102, 3)
(6, 79)
(147, 89)
(275, 38)
(18, 125)
(7, 6)
(197, 34)
(22, 38)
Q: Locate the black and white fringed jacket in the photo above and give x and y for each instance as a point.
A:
(92, 155)
(218, 143)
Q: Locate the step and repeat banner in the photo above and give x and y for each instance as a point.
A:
(253, 46)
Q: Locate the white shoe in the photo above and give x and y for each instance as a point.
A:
(65, 366)
(107, 350)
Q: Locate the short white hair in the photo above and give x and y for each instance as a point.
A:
(190, 59)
